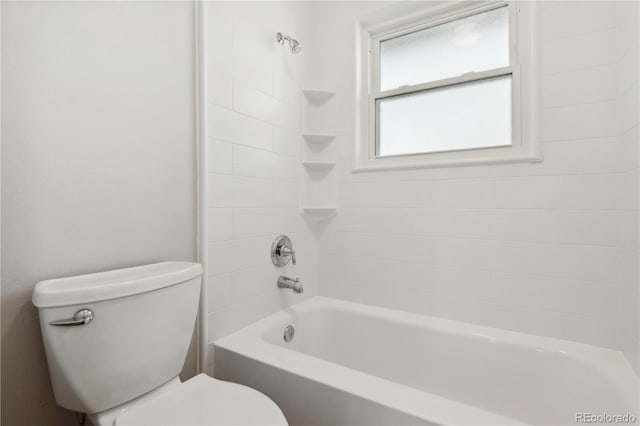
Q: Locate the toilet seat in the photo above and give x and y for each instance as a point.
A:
(203, 400)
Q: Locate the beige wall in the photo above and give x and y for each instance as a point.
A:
(97, 163)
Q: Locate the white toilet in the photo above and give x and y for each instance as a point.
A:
(116, 342)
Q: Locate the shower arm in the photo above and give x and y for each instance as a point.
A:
(281, 38)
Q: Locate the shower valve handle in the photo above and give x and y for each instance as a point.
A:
(282, 251)
(288, 251)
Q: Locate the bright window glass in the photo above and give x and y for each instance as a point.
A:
(471, 115)
(475, 43)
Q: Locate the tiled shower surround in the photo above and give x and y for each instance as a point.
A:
(549, 248)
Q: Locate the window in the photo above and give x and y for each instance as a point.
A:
(447, 85)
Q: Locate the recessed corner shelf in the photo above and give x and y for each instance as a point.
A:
(317, 96)
(320, 209)
(319, 165)
(320, 212)
(318, 137)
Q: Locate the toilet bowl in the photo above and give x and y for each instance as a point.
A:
(201, 400)
(116, 342)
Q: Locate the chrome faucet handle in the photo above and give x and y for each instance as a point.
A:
(282, 251)
(288, 251)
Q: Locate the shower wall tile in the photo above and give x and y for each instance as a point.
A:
(594, 16)
(286, 141)
(254, 160)
(285, 86)
(246, 74)
(629, 78)
(219, 88)
(220, 190)
(547, 248)
(600, 191)
(588, 227)
(220, 157)
(219, 292)
(264, 164)
(460, 193)
(415, 221)
(628, 67)
(629, 108)
(525, 192)
(266, 222)
(591, 120)
(579, 87)
(220, 223)
(266, 108)
(219, 28)
(577, 52)
(551, 122)
(231, 126)
(385, 194)
(251, 192)
(585, 328)
(286, 194)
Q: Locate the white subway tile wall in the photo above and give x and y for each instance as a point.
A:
(548, 248)
(628, 89)
(254, 93)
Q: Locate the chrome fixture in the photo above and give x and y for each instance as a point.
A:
(286, 282)
(294, 44)
(289, 331)
(82, 317)
(282, 250)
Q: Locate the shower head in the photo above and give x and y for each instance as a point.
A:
(294, 44)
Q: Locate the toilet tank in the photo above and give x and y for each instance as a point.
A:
(138, 339)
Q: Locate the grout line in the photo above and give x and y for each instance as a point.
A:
(488, 239)
(476, 178)
(475, 268)
(489, 209)
(613, 26)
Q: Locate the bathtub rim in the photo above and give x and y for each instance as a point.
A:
(251, 342)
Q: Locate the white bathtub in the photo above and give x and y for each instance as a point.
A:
(356, 364)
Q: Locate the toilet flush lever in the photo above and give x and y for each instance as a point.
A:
(82, 317)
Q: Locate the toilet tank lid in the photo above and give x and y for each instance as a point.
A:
(112, 284)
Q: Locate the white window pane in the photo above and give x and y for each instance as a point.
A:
(463, 116)
(472, 44)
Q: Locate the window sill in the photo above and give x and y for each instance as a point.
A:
(375, 165)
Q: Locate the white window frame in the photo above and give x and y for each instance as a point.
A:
(402, 19)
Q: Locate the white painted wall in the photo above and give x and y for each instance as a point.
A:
(97, 162)
(254, 159)
(540, 248)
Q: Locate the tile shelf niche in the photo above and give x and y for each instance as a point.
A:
(320, 213)
(320, 209)
(319, 165)
(318, 138)
(317, 96)
(319, 189)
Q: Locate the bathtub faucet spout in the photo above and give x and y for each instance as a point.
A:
(286, 282)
